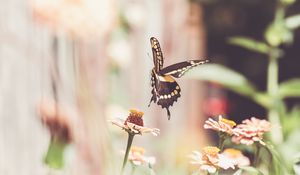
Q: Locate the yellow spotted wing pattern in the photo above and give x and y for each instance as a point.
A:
(157, 54)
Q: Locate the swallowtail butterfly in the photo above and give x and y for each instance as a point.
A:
(165, 90)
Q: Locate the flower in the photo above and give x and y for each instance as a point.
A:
(236, 156)
(78, 18)
(58, 120)
(223, 125)
(210, 159)
(136, 156)
(250, 131)
(134, 124)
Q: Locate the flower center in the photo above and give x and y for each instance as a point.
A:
(234, 153)
(135, 117)
(138, 150)
(228, 122)
(211, 150)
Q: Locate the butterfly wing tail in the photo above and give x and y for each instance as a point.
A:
(152, 99)
(169, 114)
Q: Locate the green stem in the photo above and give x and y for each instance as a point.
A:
(129, 142)
(55, 154)
(132, 169)
(279, 13)
(222, 138)
(256, 154)
(273, 85)
(272, 89)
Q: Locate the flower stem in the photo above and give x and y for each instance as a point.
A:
(272, 81)
(222, 138)
(55, 154)
(256, 154)
(272, 87)
(129, 142)
(132, 169)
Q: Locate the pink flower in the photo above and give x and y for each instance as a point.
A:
(137, 157)
(134, 124)
(57, 119)
(78, 18)
(222, 125)
(210, 160)
(251, 131)
(236, 156)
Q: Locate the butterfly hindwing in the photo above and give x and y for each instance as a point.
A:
(158, 58)
(168, 93)
(165, 91)
(179, 69)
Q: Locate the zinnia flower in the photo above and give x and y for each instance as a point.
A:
(210, 160)
(134, 124)
(251, 131)
(77, 18)
(136, 156)
(236, 156)
(57, 120)
(222, 125)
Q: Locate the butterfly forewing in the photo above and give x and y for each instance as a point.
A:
(157, 54)
(179, 69)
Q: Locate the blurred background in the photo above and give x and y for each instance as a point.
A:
(91, 61)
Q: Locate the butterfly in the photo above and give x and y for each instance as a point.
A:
(165, 90)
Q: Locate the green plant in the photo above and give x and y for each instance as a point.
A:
(285, 123)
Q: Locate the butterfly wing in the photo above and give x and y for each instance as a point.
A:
(157, 54)
(179, 69)
(165, 91)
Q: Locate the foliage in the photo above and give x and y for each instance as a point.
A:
(285, 123)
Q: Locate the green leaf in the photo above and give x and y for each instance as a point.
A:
(224, 76)
(278, 33)
(291, 148)
(250, 44)
(278, 166)
(291, 121)
(251, 170)
(290, 88)
(293, 22)
(238, 172)
(288, 2)
(230, 79)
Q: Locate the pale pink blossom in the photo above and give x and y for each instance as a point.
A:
(210, 160)
(77, 18)
(222, 125)
(137, 157)
(236, 156)
(250, 131)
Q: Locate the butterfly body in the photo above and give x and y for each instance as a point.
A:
(165, 90)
